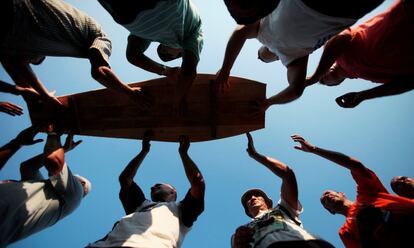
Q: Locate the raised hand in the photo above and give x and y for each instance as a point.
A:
(349, 100)
(148, 135)
(250, 145)
(222, 81)
(304, 145)
(26, 137)
(10, 108)
(70, 144)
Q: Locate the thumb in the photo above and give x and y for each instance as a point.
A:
(76, 143)
(298, 148)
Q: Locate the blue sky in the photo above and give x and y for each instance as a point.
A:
(377, 132)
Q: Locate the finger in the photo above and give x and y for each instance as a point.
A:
(8, 112)
(249, 137)
(298, 148)
(14, 107)
(37, 141)
(17, 111)
(76, 143)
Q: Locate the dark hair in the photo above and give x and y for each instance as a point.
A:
(165, 56)
(252, 10)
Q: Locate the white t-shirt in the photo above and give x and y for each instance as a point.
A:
(151, 225)
(294, 30)
(27, 207)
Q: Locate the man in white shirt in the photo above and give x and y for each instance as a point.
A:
(34, 203)
(161, 221)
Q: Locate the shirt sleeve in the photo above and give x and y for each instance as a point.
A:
(367, 181)
(100, 41)
(194, 42)
(131, 197)
(190, 209)
(67, 186)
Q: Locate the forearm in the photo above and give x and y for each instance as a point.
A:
(287, 95)
(233, 48)
(128, 174)
(296, 73)
(338, 158)
(194, 176)
(29, 169)
(332, 51)
(8, 88)
(7, 151)
(388, 89)
(277, 167)
(23, 75)
(145, 63)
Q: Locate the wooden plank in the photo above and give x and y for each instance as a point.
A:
(107, 113)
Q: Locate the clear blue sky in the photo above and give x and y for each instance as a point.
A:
(378, 132)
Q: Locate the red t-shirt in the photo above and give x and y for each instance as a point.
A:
(370, 191)
(382, 48)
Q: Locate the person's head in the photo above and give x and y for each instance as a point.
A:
(254, 200)
(335, 76)
(334, 201)
(163, 192)
(265, 55)
(403, 186)
(167, 53)
(86, 184)
(248, 11)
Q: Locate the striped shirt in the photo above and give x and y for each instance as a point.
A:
(53, 28)
(174, 23)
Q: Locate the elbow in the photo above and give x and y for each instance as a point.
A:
(134, 57)
(289, 174)
(124, 180)
(356, 164)
(130, 57)
(198, 182)
(296, 92)
(24, 168)
(96, 73)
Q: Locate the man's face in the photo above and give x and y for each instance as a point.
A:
(256, 203)
(334, 76)
(333, 201)
(162, 192)
(403, 186)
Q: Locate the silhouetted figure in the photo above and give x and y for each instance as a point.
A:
(370, 192)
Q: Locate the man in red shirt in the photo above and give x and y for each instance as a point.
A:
(379, 50)
(389, 216)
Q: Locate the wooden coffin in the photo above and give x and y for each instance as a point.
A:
(107, 113)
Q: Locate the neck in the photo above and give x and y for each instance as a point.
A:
(260, 212)
(345, 208)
